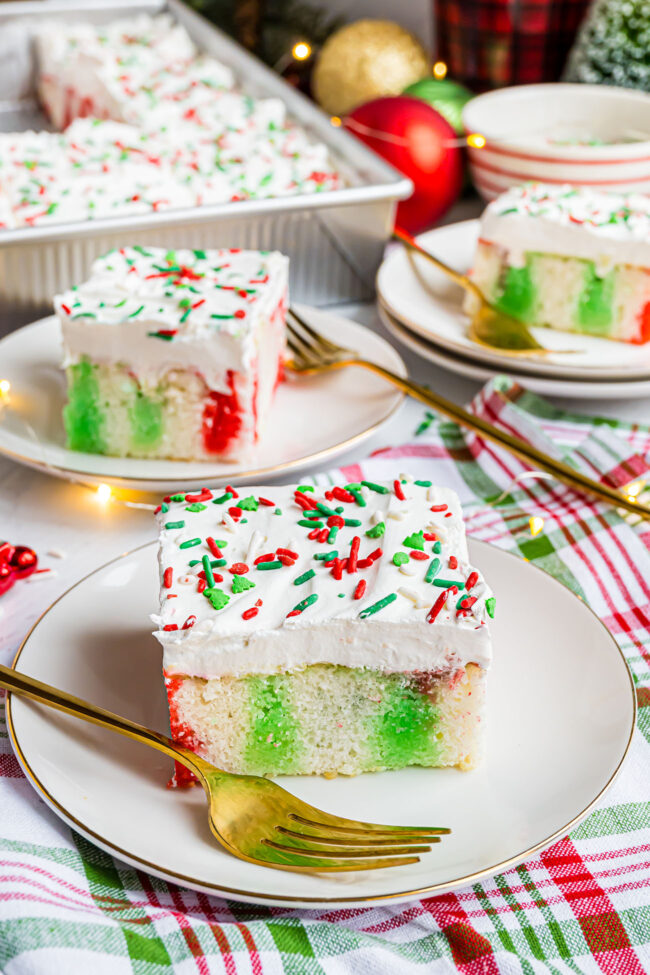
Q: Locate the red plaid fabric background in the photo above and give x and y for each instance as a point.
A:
(491, 43)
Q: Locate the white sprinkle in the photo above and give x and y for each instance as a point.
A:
(57, 553)
(397, 515)
(187, 580)
(405, 477)
(376, 517)
(364, 492)
(431, 493)
(253, 546)
(407, 569)
(408, 594)
(229, 523)
(438, 530)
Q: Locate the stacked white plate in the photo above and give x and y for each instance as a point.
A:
(423, 309)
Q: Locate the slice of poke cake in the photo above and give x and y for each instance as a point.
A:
(323, 631)
(570, 258)
(173, 354)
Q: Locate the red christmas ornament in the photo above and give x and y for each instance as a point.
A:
(16, 562)
(419, 142)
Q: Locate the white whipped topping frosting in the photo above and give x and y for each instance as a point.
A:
(331, 629)
(208, 305)
(168, 129)
(607, 228)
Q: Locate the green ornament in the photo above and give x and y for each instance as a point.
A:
(446, 96)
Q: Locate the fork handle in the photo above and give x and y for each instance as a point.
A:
(36, 690)
(461, 279)
(568, 475)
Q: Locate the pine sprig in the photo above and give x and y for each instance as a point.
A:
(613, 45)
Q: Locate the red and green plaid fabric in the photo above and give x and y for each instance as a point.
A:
(581, 907)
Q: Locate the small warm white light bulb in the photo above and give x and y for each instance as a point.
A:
(632, 491)
(439, 70)
(104, 492)
(536, 525)
(475, 140)
(301, 51)
(5, 386)
(336, 121)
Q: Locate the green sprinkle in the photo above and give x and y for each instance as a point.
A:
(305, 603)
(174, 524)
(278, 511)
(135, 313)
(432, 571)
(190, 543)
(377, 606)
(305, 487)
(224, 497)
(448, 583)
(158, 335)
(248, 504)
(353, 486)
(312, 514)
(199, 254)
(164, 508)
(177, 497)
(215, 563)
(423, 483)
(378, 488)
(400, 558)
(377, 530)
(217, 597)
(197, 506)
(332, 534)
(305, 577)
(326, 556)
(490, 605)
(207, 568)
(436, 548)
(222, 316)
(358, 497)
(310, 524)
(265, 566)
(341, 595)
(325, 510)
(352, 522)
(416, 541)
(241, 584)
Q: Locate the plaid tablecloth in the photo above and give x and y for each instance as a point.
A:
(583, 906)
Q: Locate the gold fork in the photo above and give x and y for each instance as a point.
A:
(488, 325)
(313, 353)
(252, 817)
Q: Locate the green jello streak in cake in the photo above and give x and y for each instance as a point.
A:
(83, 415)
(145, 417)
(403, 732)
(595, 305)
(516, 292)
(273, 741)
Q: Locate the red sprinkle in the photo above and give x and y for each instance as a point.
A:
(202, 584)
(158, 510)
(440, 602)
(258, 602)
(323, 535)
(397, 486)
(438, 507)
(377, 554)
(168, 575)
(189, 622)
(214, 548)
(329, 496)
(170, 626)
(205, 495)
(230, 489)
(269, 504)
(420, 556)
(430, 537)
(472, 579)
(170, 595)
(335, 521)
(286, 559)
(67, 310)
(342, 495)
(449, 514)
(250, 613)
(453, 562)
(238, 569)
(313, 535)
(264, 558)
(286, 551)
(364, 563)
(354, 554)
(235, 513)
(240, 313)
(360, 590)
(337, 568)
(466, 605)
(294, 612)
(304, 502)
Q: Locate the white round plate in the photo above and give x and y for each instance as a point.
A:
(311, 420)
(545, 386)
(430, 304)
(561, 716)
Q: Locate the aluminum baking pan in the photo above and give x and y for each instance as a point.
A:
(335, 239)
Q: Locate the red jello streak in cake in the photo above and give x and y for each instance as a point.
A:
(182, 734)
(221, 418)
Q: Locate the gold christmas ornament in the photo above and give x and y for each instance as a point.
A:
(365, 60)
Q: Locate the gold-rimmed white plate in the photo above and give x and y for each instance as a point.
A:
(426, 302)
(311, 420)
(560, 721)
